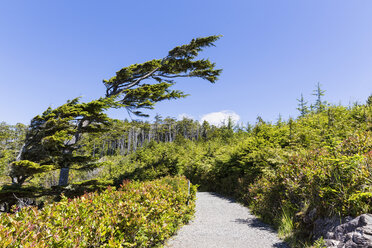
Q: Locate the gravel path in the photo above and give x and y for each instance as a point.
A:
(222, 223)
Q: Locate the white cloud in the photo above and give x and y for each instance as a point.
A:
(219, 118)
(184, 115)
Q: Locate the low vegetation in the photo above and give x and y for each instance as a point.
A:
(138, 214)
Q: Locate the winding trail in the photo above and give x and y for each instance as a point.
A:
(222, 223)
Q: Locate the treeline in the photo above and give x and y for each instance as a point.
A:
(122, 138)
(125, 137)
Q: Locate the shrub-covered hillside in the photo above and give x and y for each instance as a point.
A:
(319, 163)
(291, 172)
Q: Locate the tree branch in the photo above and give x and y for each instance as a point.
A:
(128, 86)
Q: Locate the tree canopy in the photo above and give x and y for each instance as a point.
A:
(53, 138)
(140, 86)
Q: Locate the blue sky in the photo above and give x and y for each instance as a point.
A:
(271, 52)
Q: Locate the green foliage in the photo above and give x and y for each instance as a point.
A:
(334, 186)
(302, 106)
(289, 173)
(54, 137)
(11, 139)
(319, 163)
(23, 169)
(286, 226)
(369, 100)
(162, 161)
(140, 86)
(319, 243)
(7, 193)
(136, 215)
(319, 103)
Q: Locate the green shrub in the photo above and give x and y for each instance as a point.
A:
(331, 182)
(139, 214)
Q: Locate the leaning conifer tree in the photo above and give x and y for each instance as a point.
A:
(140, 86)
(53, 138)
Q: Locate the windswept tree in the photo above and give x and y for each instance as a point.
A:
(140, 86)
(53, 139)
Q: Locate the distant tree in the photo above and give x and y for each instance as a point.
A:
(319, 103)
(290, 124)
(369, 116)
(5, 154)
(249, 127)
(226, 129)
(369, 100)
(205, 129)
(302, 106)
(169, 128)
(239, 128)
(11, 139)
(260, 120)
(186, 128)
(279, 122)
(229, 123)
(54, 137)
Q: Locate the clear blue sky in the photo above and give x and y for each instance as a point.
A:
(271, 52)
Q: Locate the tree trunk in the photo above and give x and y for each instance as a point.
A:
(63, 176)
(129, 141)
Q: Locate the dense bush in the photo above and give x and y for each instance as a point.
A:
(325, 181)
(139, 214)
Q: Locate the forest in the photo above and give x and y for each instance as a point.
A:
(124, 183)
